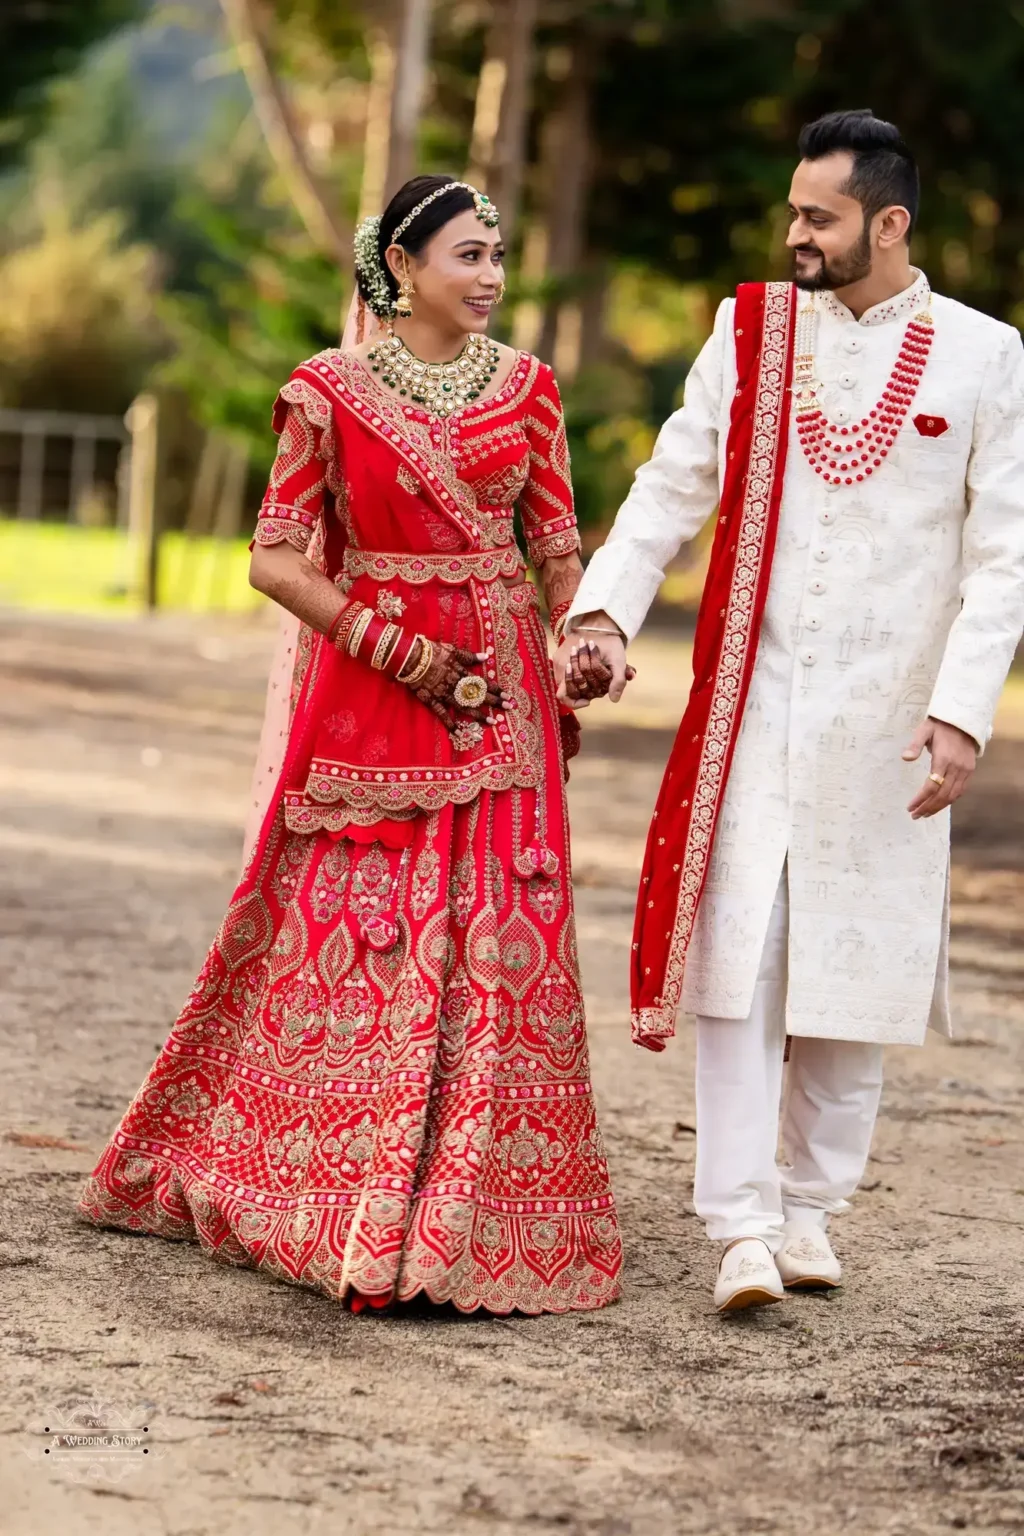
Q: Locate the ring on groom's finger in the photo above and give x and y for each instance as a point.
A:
(937, 778)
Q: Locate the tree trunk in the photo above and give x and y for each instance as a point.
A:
(411, 56)
(398, 42)
(502, 107)
(380, 47)
(567, 160)
(317, 211)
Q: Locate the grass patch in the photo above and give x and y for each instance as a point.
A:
(63, 569)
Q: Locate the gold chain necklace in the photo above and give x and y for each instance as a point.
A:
(442, 388)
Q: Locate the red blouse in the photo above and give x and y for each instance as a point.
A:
(509, 448)
(414, 516)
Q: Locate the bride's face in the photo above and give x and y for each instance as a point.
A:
(457, 275)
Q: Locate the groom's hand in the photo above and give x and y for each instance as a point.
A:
(589, 665)
(954, 756)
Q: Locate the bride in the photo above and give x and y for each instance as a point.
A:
(379, 1085)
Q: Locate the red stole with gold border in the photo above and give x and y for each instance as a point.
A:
(725, 645)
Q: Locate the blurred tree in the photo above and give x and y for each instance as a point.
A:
(78, 328)
(501, 108)
(649, 144)
(37, 44)
(952, 76)
(316, 207)
(267, 298)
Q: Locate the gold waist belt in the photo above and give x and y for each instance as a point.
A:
(486, 565)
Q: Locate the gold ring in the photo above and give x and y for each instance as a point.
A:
(470, 692)
(937, 778)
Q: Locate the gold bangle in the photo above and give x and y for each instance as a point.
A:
(358, 630)
(393, 647)
(422, 666)
(388, 636)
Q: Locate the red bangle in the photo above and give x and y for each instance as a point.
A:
(331, 632)
(400, 654)
(342, 626)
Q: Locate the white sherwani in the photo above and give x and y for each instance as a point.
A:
(888, 601)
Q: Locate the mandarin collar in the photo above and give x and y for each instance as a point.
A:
(917, 296)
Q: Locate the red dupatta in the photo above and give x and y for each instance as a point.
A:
(725, 645)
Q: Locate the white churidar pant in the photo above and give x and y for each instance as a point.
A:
(833, 1090)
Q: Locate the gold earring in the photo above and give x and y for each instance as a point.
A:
(499, 292)
(403, 304)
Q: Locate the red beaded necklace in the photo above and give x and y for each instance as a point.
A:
(843, 455)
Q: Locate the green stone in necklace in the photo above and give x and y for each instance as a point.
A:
(440, 388)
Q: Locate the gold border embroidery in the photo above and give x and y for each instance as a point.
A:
(383, 565)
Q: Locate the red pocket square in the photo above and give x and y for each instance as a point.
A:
(931, 426)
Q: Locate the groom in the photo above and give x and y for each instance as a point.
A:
(863, 440)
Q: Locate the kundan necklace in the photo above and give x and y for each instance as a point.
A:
(844, 455)
(441, 387)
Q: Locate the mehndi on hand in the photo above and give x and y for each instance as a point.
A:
(587, 674)
(446, 679)
(442, 676)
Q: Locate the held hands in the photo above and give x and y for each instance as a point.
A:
(592, 665)
(954, 757)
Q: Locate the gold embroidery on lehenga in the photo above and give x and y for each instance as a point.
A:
(515, 762)
(389, 604)
(426, 873)
(414, 1118)
(327, 898)
(457, 569)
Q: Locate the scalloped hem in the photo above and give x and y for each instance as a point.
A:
(589, 1290)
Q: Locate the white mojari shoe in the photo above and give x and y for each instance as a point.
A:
(747, 1277)
(806, 1261)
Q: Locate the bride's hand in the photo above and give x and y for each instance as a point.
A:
(591, 667)
(437, 687)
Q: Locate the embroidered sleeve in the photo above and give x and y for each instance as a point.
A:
(549, 521)
(294, 501)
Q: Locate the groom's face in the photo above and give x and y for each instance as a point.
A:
(828, 234)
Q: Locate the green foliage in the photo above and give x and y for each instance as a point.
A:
(78, 330)
(951, 75)
(39, 43)
(698, 104)
(265, 303)
(695, 109)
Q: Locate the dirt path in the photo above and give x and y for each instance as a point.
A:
(895, 1407)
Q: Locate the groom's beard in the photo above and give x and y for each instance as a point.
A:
(850, 267)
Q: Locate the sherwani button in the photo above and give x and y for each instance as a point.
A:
(817, 587)
(841, 416)
(822, 554)
(827, 516)
(813, 623)
(846, 381)
(808, 658)
(853, 343)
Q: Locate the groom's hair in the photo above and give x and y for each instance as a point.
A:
(884, 170)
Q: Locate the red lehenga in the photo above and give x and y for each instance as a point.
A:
(380, 1085)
